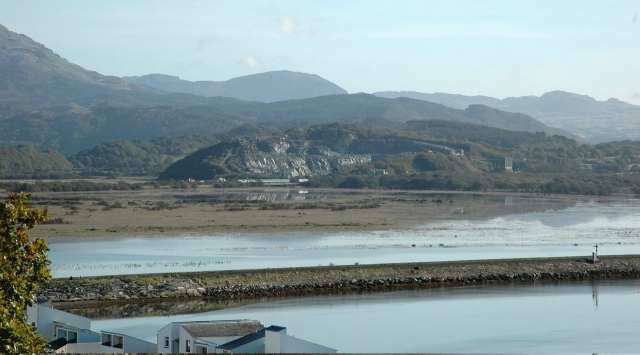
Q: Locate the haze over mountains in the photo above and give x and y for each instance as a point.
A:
(263, 87)
(32, 77)
(596, 121)
(54, 104)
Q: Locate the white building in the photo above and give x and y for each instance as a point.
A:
(231, 337)
(109, 343)
(53, 324)
(70, 333)
(202, 337)
(274, 340)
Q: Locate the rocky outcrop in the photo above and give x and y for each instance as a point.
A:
(316, 150)
(299, 281)
(284, 156)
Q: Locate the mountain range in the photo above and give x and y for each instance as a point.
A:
(54, 104)
(71, 128)
(33, 77)
(596, 121)
(264, 87)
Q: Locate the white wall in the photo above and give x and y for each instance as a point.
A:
(82, 348)
(110, 350)
(135, 345)
(184, 336)
(171, 331)
(47, 316)
(289, 344)
(32, 314)
(272, 341)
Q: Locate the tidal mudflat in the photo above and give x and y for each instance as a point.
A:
(471, 227)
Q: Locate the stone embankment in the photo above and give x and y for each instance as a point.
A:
(317, 280)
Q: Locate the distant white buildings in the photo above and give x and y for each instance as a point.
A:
(70, 333)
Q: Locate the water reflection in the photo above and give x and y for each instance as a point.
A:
(527, 227)
(151, 307)
(266, 196)
(534, 318)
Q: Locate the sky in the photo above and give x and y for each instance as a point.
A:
(488, 47)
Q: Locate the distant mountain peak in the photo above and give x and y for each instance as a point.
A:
(32, 76)
(596, 121)
(264, 87)
(558, 94)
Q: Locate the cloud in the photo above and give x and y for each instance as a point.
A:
(204, 43)
(288, 25)
(635, 96)
(250, 62)
(634, 19)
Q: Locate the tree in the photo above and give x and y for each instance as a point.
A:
(23, 268)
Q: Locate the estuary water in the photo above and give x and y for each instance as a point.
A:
(568, 231)
(600, 316)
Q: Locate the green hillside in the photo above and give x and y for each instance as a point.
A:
(411, 147)
(138, 157)
(25, 159)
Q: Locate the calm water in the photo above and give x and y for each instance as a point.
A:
(569, 231)
(584, 317)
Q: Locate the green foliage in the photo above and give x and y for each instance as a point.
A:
(24, 159)
(66, 186)
(72, 130)
(138, 157)
(23, 268)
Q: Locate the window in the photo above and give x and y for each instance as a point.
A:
(188, 346)
(166, 342)
(118, 341)
(68, 335)
(72, 337)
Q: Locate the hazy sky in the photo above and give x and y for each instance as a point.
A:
(494, 48)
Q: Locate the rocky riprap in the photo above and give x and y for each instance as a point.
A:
(316, 280)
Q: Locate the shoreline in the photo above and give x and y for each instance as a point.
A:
(260, 283)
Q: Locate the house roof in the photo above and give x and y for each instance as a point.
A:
(234, 344)
(222, 328)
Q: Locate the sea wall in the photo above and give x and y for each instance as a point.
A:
(316, 280)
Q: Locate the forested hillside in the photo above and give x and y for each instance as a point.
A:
(26, 159)
(138, 157)
(72, 128)
(411, 147)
